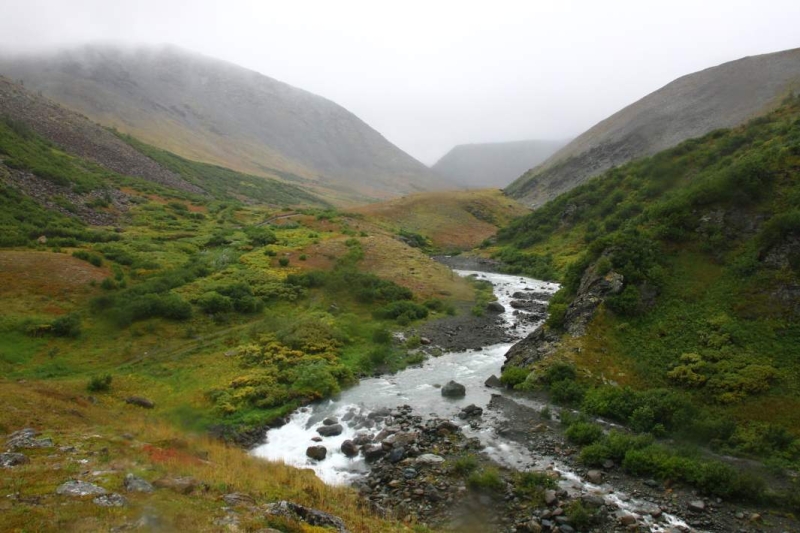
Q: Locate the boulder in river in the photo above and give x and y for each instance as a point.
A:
(493, 382)
(330, 431)
(330, 421)
(470, 411)
(318, 453)
(454, 390)
(349, 448)
(373, 452)
(495, 307)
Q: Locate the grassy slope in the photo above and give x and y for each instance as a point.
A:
(452, 221)
(657, 222)
(145, 314)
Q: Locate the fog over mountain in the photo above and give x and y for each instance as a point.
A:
(217, 112)
(493, 164)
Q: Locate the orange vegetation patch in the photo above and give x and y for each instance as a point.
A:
(164, 201)
(45, 273)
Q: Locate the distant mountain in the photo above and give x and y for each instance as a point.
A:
(484, 165)
(691, 106)
(217, 112)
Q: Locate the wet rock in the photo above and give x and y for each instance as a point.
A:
(594, 476)
(110, 500)
(316, 439)
(318, 453)
(308, 515)
(493, 382)
(349, 448)
(362, 438)
(470, 411)
(9, 460)
(330, 421)
(181, 485)
(134, 483)
(77, 488)
(235, 499)
(592, 500)
(445, 426)
(430, 459)
(697, 506)
(495, 307)
(626, 519)
(348, 416)
(454, 390)
(396, 455)
(409, 473)
(330, 431)
(140, 401)
(373, 452)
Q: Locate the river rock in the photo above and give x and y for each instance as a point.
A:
(470, 411)
(139, 401)
(626, 519)
(454, 390)
(9, 460)
(372, 452)
(697, 506)
(362, 438)
(110, 500)
(592, 500)
(134, 483)
(330, 431)
(495, 307)
(396, 455)
(318, 453)
(77, 488)
(349, 448)
(594, 476)
(330, 421)
(493, 382)
(550, 498)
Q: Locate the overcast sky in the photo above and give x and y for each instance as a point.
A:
(432, 74)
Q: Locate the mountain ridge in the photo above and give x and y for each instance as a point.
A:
(217, 112)
(721, 96)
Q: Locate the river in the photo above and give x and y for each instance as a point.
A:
(419, 387)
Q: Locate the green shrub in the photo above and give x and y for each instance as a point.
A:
(99, 383)
(283, 261)
(66, 326)
(92, 259)
(513, 376)
(559, 371)
(567, 392)
(583, 433)
(213, 302)
(486, 480)
(396, 310)
(465, 465)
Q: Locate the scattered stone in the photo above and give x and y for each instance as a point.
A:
(330, 431)
(110, 500)
(755, 517)
(310, 516)
(409, 473)
(425, 341)
(9, 460)
(430, 459)
(134, 483)
(331, 420)
(373, 452)
(608, 464)
(493, 382)
(626, 519)
(396, 455)
(454, 390)
(316, 439)
(26, 438)
(550, 498)
(140, 402)
(77, 488)
(349, 448)
(592, 500)
(318, 453)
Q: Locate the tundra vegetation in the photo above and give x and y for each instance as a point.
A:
(700, 344)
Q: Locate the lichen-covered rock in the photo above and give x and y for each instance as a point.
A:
(110, 500)
(78, 488)
(10, 460)
(134, 483)
(308, 515)
(26, 438)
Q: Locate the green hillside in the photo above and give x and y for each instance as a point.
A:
(706, 237)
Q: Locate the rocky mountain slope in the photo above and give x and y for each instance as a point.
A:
(493, 164)
(719, 97)
(213, 111)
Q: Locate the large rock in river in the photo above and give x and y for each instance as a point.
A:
(330, 431)
(454, 390)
